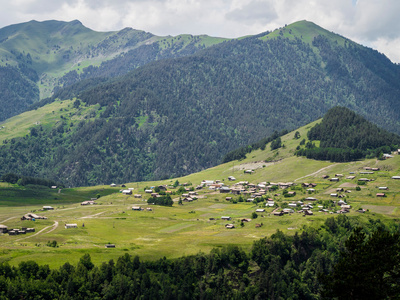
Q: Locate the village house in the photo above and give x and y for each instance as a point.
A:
(395, 177)
(137, 196)
(32, 217)
(364, 179)
(3, 228)
(226, 218)
(113, 185)
(231, 178)
(136, 208)
(229, 226)
(237, 190)
(224, 189)
(277, 213)
(207, 182)
(48, 207)
(270, 203)
(89, 202)
(288, 211)
(310, 185)
(260, 210)
(334, 179)
(380, 195)
(311, 199)
(383, 188)
(68, 226)
(162, 187)
(110, 245)
(350, 177)
(308, 213)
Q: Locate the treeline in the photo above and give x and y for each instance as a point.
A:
(164, 200)
(347, 136)
(25, 180)
(241, 152)
(338, 260)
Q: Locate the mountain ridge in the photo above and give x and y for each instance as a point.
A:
(178, 115)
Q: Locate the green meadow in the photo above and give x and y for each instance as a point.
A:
(194, 226)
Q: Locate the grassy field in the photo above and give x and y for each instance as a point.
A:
(192, 227)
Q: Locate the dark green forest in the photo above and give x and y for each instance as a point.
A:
(343, 259)
(347, 136)
(176, 116)
(18, 90)
(133, 59)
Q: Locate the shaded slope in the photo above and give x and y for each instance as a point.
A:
(177, 116)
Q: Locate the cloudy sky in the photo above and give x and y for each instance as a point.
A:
(373, 23)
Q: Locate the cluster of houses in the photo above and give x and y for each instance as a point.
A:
(32, 217)
(139, 208)
(16, 231)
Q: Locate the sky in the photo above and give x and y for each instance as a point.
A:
(373, 23)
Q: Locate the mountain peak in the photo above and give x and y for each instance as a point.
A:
(306, 31)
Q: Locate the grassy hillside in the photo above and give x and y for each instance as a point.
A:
(194, 226)
(306, 31)
(53, 54)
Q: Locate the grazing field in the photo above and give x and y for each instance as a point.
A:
(193, 226)
(181, 229)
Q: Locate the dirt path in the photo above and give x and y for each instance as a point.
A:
(316, 172)
(54, 227)
(92, 216)
(7, 219)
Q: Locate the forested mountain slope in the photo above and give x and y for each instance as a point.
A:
(346, 136)
(177, 116)
(37, 58)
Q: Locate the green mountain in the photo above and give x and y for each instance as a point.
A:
(341, 136)
(177, 116)
(37, 58)
(346, 136)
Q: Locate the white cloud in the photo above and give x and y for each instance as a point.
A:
(371, 22)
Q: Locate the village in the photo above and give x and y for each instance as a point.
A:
(260, 202)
